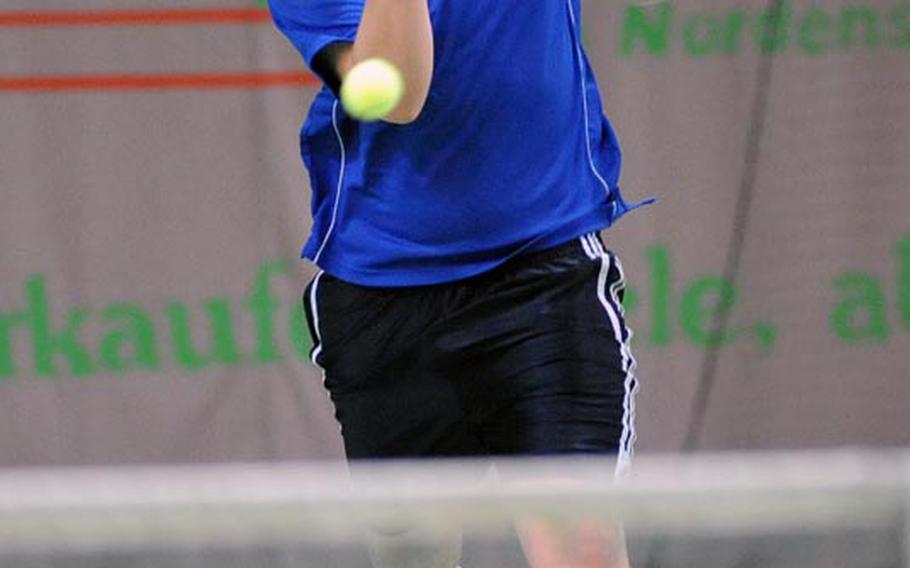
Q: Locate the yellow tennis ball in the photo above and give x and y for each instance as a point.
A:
(372, 89)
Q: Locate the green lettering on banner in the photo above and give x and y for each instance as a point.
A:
(7, 365)
(7, 323)
(902, 250)
(224, 342)
(650, 26)
(697, 316)
(701, 35)
(263, 305)
(47, 343)
(661, 295)
(630, 301)
(815, 29)
(134, 330)
(733, 32)
(300, 333)
(772, 29)
(813, 32)
(129, 340)
(900, 17)
(859, 315)
(866, 18)
(765, 335)
(223, 345)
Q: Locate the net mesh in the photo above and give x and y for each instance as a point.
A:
(825, 510)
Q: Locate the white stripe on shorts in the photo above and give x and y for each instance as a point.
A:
(596, 245)
(615, 289)
(614, 310)
(317, 349)
(586, 244)
(314, 309)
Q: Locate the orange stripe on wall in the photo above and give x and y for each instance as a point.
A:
(133, 17)
(193, 81)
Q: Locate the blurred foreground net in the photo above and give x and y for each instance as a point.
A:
(806, 510)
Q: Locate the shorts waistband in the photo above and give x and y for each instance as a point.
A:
(588, 245)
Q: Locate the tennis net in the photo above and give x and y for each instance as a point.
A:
(846, 508)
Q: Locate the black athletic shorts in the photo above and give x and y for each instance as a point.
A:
(531, 358)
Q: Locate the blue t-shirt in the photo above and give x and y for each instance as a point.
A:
(511, 153)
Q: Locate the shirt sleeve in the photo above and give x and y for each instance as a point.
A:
(312, 25)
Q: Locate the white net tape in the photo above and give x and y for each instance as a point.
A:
(246, 505)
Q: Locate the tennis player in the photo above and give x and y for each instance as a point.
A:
(465, 304)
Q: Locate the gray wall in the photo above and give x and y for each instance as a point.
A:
(148, 275)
